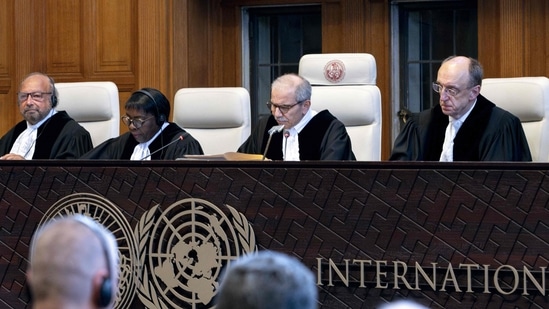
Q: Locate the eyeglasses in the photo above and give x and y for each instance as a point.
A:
(36, 96)
(137, 122)
(282, 108)
(451, 91)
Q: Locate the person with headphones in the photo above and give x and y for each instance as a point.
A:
(151, 136)
(73, 263)
(44, 133)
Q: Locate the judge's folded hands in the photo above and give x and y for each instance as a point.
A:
(11, 156)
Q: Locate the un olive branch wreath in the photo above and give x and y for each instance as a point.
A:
(146, 291)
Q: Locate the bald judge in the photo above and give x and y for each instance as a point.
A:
(464, 126)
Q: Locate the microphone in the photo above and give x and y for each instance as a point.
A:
(276, 129)
(286, 135)
(273, 130)
(163, 147)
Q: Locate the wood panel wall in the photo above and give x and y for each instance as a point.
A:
(513, 37)
(170, 44)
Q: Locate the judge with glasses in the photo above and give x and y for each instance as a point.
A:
(44, 133)
(294, 131)
(464, 126)
(151, 136)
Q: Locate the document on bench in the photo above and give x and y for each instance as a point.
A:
(227, 156)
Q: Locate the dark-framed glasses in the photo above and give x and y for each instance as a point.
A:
(137, 122)
(282, 108)
(35, 96)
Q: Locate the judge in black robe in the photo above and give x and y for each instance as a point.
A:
(323, 138)
(60, 137)
(55, 134)
(488, 133)
(320, 136)
(121, 148)
(147, 111)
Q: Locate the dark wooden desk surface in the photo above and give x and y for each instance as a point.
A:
(372, 232)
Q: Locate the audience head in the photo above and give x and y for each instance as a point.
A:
(402, 304)
(267, 280)
(290, 99)
(458, 83)
(73, 264)
(36, 97)
(146, 111)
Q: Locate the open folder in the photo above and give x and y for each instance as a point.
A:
(227, 156)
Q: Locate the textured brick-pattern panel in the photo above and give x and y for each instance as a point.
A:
(471, 214)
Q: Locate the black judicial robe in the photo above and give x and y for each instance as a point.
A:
(323, 138)
(121, 147)
(488, 134)
(60, 137)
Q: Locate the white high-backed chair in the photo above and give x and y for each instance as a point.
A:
(528, 99)
(219, 118)
(345, 84)
(94, 105)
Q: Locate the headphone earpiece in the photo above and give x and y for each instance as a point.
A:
(161, 117)
(105, 292)
(53, 100)
(53, 97)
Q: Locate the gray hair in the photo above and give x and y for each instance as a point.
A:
(301, 86)
(267, 280)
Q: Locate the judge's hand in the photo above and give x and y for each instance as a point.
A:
(11, 156)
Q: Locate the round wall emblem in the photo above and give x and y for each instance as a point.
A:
(183, 250)
(334, 71)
